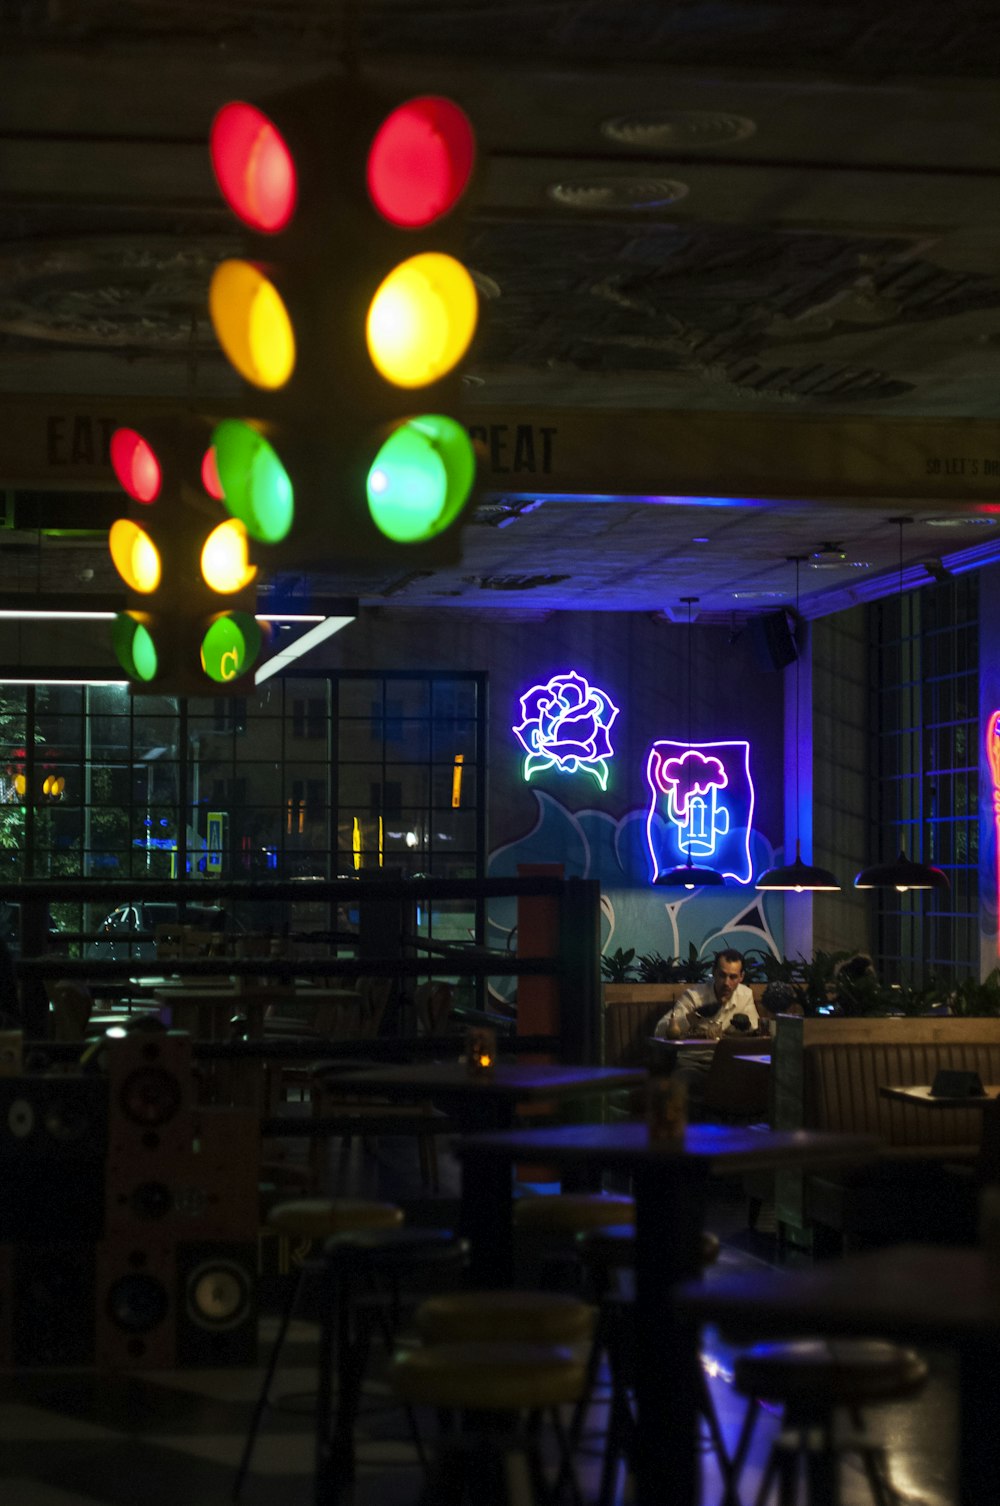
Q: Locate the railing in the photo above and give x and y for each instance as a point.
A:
(386, 946)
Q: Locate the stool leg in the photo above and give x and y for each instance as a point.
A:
(326, 1485)
(823, 1475)
(740, 1452)
(264, 1397)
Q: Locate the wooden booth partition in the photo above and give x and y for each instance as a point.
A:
(827, 1074)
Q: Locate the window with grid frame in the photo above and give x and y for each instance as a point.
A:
(924, 686)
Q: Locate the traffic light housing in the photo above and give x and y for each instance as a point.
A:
(349, 315)
(189, 625)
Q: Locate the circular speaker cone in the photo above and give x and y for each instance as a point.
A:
(218, 1294)
(151, 1200)
(150, 1095)
(67, 1122)
(137, 1302)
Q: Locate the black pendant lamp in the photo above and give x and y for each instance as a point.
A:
(798, 877)
(904, 873)
(689, 875)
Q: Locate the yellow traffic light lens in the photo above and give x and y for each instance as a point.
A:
(134, 647)
(255, 485)
(252, 324)
(253, 167)
(134, 555)
(421, 320)
(230, 646)
(421, 478)
(225, 565)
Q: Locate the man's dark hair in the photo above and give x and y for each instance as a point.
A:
(730, 955)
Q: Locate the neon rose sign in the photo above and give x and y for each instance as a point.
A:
(702, 801)
(564, 725)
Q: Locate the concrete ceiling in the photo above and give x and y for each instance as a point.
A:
(776, 225)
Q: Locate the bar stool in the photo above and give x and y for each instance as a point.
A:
(490, 1386)
(604, 1252)
(315, 1220)
(365, 1272)
(547, 1226)
(814, 1380)
(512, 1316)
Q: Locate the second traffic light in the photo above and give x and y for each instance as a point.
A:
(189, 627)
(350, 316)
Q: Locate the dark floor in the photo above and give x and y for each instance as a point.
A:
(173, 1438)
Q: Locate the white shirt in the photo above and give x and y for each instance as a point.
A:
(701, 996)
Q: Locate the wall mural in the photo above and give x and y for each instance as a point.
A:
(564, 725)
(702, 803)
(592, 844)
(699, 797)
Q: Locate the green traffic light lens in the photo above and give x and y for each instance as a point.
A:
(230, 646)
(421, 478)
(255, 485)
(134, 647)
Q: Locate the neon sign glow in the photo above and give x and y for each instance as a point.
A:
(564, 725)
(702, 801)
(993, 758)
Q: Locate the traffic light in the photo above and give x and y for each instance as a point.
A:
(189, 627)
(350, 316)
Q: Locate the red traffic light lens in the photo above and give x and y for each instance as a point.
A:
(253, 167)
(135, 465)
(420, 161)
(210, 474)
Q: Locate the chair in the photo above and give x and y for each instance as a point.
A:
(814, 1380)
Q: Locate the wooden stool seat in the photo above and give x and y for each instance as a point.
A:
(502, 1316)
(569, 1212)
(493, 1377)
(815, 1375)
(322, 1217)
(814, 1380)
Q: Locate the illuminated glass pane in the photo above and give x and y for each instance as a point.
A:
(255, 485)
(420, 161)
(422, 319)
(252, 324)
(421, 478)
(254, 169)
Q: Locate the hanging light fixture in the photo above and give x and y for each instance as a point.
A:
(689, 875)
(904, 873)
(798, 877)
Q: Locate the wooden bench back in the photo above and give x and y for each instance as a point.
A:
(842, 1082)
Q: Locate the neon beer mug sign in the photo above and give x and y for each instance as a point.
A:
(701, 802)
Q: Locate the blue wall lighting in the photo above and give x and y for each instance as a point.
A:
(564, 725)
(702, 801)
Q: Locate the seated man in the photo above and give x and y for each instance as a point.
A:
(722, 1007)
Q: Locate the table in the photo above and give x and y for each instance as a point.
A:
(670, 1186)
(203, 1007)
(988, 1104)
(485, 1101)
(916, 1293)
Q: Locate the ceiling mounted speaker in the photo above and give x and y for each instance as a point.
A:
(772, 641)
